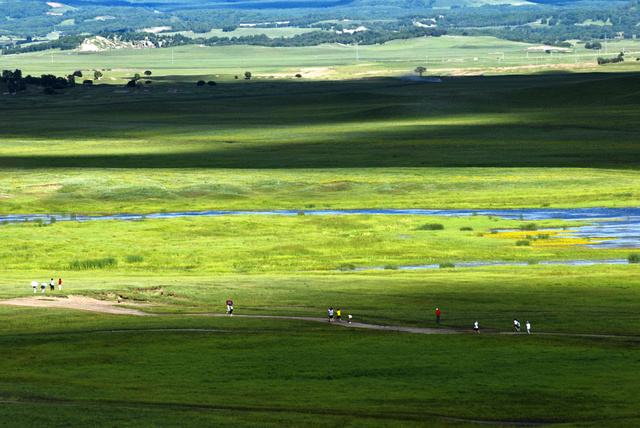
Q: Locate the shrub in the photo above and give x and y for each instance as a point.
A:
(391, 267)
(134, 258)
(543, 236)
(200, 83)
(523, 243)
(431, 226)
(347, 266)
(447, 265)
(529, 226)
(634, 258)
(211, 83)
(466, 229)
(104, 263)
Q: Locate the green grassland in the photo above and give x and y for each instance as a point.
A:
(254, 372)
(474, 142)
(278, 244)
(552, 140)
(449, 55)
(278, 373)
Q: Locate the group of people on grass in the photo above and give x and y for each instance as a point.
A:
(516, 326)
(337, 315)
(43, 285)
(476, 324)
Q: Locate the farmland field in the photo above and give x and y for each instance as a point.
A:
(448, 55)
(540, 141)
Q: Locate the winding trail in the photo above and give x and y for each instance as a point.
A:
(106, 307)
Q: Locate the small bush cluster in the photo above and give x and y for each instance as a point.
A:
(466, 229)
(431, 226)
(634, 258)
(523, 243)
(134, 258)
(347, 266)
(529, 226)
(104, 263)
(447, 265)
(615, 59)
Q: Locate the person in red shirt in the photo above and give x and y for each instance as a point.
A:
(438, 313)
(60, 284)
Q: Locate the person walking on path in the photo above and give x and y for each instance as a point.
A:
(330, 314)
(43, 287)
(230, 307)
(339, 315)
(34, 285)
(349, 317)
(52, 284)
(528, 325)
(476, 327)
(59, 284)
(438, 313)
(516, 326)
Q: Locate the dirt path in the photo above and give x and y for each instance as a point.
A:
(107, 307)
(74, 302)
(416, 330)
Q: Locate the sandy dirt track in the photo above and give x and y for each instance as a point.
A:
(107, 307)
(74, 302)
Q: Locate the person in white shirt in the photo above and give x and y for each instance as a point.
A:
(349, 317)
(528, 325)
(43, 287)
(34, 285)
(330, 314)
(476, 327)
(516, 326)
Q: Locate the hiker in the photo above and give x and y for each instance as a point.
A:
(43, 287)
(339, 314)
(59, 284)
(528, 325)
(34, 285)
(349, 317)
(438, 313)
(330, 314)
(230, 307)
(476, 327)
(52, 284)
(516, 326)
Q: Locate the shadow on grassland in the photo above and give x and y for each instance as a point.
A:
(567, 120)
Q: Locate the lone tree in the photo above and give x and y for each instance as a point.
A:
(136, 76)
(77, 73)
(247, 75)
(97, 75)
(420, 70)
(147, 73)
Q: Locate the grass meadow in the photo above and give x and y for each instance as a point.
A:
(550, 140)
(447, 55)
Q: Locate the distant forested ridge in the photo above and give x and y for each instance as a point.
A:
(29, 25)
